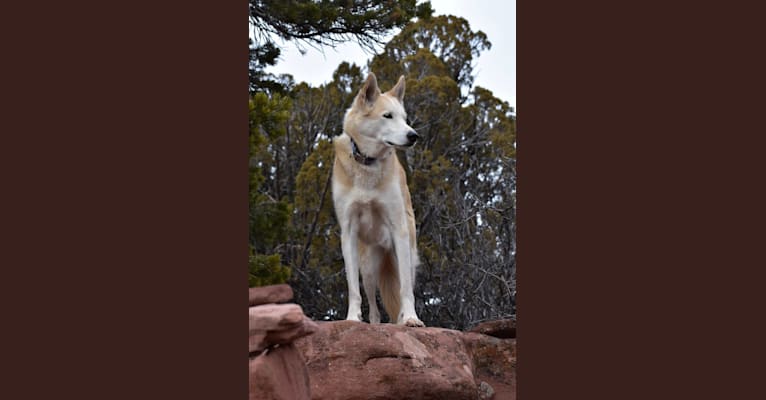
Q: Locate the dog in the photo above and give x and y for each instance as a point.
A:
(373, 205)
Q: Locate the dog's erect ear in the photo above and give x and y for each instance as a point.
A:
(398, 90)
(369, 91)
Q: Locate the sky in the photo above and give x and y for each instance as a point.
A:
(495, 69)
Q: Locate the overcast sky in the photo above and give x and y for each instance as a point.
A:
(495, 68)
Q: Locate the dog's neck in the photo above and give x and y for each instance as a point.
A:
(359, 156)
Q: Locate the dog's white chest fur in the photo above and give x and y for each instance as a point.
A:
(366, 180)
(368, 214)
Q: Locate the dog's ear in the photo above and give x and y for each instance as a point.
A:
(398, 90)
(369, 91)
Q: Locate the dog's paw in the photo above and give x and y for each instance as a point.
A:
(354, 317)
(414, 323)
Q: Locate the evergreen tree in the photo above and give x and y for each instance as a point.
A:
(317, 24)
(268, 216)
(331, 22)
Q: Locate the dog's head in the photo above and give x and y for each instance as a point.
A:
(378, 119)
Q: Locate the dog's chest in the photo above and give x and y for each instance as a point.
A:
(367, 179)
(372, 222)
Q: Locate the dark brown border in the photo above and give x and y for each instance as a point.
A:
(125, 205)
(636, 209)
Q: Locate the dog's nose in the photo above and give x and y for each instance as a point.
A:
(412, 136)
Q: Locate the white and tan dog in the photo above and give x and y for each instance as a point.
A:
(373, 204)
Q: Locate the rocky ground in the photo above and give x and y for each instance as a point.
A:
(292, 357)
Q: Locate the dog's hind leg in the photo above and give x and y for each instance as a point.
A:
(371, 258)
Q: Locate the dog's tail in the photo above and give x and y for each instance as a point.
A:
(389, 286)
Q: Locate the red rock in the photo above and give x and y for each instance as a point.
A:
(307, 327)
(270, 294)
(346, 360)
(494, 363)
(257, 341)
(270, 317)
(502, 328)
(279, 374)
(353, 360)
(272, 324)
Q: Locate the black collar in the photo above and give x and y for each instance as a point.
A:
(358, 155)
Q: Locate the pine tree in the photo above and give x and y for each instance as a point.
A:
(268, 216)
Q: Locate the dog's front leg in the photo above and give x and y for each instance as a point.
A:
(350, 249)
(407, 315)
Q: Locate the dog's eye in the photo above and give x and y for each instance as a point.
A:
(388, 115)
